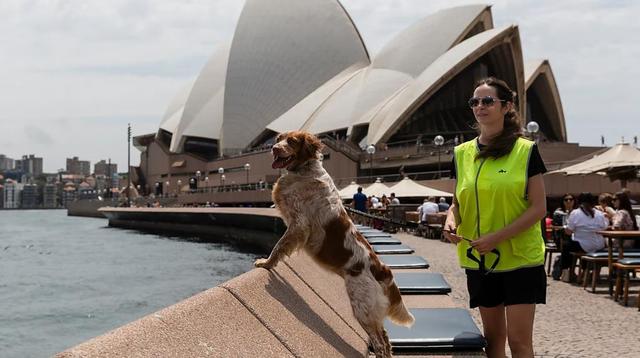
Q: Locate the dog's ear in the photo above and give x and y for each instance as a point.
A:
(311, 145)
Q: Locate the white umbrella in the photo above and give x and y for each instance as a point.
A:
(376, 189)
(409, 188)
(621, 161)
(348, 191)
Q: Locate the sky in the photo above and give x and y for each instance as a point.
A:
(74, 73)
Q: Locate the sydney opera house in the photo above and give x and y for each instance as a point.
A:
(303, 65)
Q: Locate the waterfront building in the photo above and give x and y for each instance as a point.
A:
(29, 165)
(6, 163)
(11, 194)
(68, 194)
(1, 195)
(79, 167)
(377, 115)
(50, 196)
(30, 198)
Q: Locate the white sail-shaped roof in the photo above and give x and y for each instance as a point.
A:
(173, 114)
(281, 52)
(353, 98)
(202, 112)
(538, 77)
(409, 188)
(434, 77)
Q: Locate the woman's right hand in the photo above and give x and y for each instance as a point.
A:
(449, 232)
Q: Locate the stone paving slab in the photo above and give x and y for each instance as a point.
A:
(573, 323)
(306, 325)
(207, 324)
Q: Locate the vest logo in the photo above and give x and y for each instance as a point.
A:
(502, 171)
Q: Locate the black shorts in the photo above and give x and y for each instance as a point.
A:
(521, 286)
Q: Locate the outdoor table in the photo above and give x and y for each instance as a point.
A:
(621, 236)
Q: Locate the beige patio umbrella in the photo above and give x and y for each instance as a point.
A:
(409, 188)
(348, 191)
(620, 162)
(376, 189)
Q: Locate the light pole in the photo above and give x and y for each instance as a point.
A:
(221, 172)
(129, 165)
(371, 149)
(247, 167)
(198, 173)
(167, 192)
(206, 183)
(178, 188)
(438, 141)
(533, 128)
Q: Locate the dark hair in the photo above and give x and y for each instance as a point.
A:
(605, 198)
(359, 189)
(587, 201)
(502, 144)
(625, 203)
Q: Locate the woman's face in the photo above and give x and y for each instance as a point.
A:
(616, 203)
(568, 202)
(489, 114)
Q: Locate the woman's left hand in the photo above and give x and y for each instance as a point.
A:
(485, 243)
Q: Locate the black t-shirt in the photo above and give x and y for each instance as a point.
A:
(536, 165)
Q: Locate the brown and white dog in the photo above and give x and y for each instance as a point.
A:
(318, 223)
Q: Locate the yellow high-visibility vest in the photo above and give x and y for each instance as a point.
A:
(491, 194)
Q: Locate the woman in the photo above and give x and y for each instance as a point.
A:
(582, 225)
(495, 220)
(623, 219)
(560, 216)
(605, 204)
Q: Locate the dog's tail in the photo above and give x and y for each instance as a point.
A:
(397, 312)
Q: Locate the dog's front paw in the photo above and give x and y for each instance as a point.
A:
(264, 263)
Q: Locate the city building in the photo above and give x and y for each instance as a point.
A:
(79, 167)
(105, 168)
(6, 163)
(50, 196)
(1, 196)
(29, 165)
(378, 116)
(11, 194)
(30, 198)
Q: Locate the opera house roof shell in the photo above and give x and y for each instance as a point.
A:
(303, 65)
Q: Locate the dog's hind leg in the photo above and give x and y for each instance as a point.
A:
(292, 238)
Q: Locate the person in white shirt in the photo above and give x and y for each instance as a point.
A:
(394, 200)
(582, 225)
(428, 207)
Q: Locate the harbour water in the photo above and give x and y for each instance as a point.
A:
(64, 280)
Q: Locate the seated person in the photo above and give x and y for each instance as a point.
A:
(428, 207)
(582, 225)
(623, 219)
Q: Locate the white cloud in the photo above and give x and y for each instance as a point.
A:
(80, 70)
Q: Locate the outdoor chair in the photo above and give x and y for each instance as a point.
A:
(550, 248)
(593, 264)
(625, 267)
(435, 223)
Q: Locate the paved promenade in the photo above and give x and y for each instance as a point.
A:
(573, 323)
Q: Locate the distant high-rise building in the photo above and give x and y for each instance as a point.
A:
(6, 163)
(11, 194)
(29, 165)
(77, 166)
(50, 196)
(30, 197)
(104, 168)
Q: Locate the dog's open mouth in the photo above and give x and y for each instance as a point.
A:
(281, 162)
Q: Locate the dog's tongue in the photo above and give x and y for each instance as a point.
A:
(277, 163)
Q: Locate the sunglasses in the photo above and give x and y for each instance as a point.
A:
(487, 101)
(568, 199)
